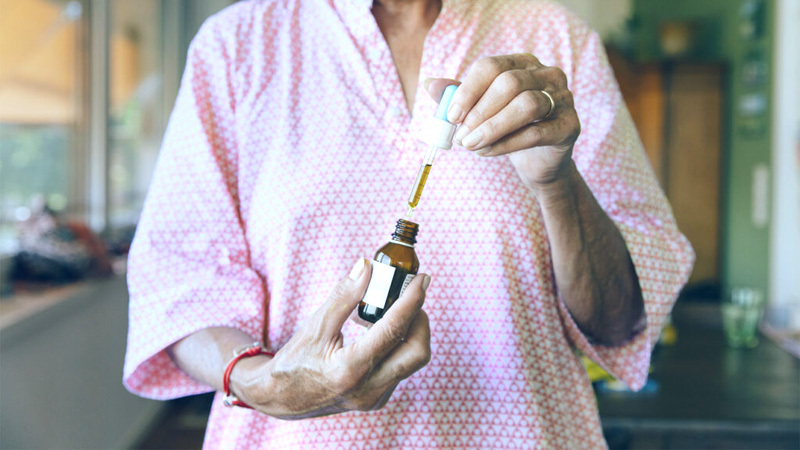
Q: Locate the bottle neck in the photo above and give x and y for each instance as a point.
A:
(399, 242)
(405, 233)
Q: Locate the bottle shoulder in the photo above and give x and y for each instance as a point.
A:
(393, 247)
(396, 254)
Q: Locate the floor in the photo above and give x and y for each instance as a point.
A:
(185, 422)
(183, 425)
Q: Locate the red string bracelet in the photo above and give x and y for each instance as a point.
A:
(240, 353)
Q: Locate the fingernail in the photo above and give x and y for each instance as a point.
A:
(472, 139)
(426, 83)
(357, 270)
(484, 151)
(460, 133)
(454, 114)
(426, 282)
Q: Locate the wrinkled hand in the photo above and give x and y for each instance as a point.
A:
(314, 374)
(502, 110)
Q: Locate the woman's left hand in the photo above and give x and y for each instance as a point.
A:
(502, 107)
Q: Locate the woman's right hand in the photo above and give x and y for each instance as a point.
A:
(314, 374)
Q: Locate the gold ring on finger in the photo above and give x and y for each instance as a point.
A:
(552, 104)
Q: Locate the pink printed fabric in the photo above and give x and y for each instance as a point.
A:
(291, 153)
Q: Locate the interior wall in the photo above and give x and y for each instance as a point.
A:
(196, 12)
(785, 250)
(607, 17)
(747, 161)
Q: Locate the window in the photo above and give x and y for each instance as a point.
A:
(86, 88)
(136, 111)
(41, 114)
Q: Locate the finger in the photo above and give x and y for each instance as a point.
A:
(332, 315)
(523, 109)
(544, 133)
(479, 78)
(384, 399)
(392, 329)
(503, 90)
(436, 86)
(370, 398)
(403, 361)
(407, 358)
(354, 317)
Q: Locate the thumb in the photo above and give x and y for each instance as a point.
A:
(344, 298)
(436, 86)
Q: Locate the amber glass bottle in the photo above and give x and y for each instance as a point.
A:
(394, 266)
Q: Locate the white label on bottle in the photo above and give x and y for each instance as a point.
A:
(379, 284)
(406, 282)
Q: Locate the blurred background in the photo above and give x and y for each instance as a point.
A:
(86, 88)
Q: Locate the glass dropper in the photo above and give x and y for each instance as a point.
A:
(438, 133)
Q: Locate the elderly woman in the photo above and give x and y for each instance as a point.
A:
(289, 155)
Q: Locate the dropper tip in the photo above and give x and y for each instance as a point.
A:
(409, 212)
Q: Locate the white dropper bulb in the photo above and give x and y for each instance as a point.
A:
(437, 131)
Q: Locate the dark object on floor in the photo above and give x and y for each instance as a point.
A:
(118, 240)
(183, 425)
(53, 250)
(709, 291)
(35, 267)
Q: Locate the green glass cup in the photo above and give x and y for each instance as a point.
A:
(741, 313)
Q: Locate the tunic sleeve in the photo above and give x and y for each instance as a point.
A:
(610, 157)
(189, 265)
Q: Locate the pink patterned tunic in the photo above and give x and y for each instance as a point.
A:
(290, 154)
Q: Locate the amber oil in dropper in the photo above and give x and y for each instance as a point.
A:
(419, 185)
(422, 178)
